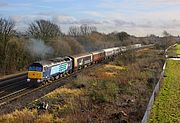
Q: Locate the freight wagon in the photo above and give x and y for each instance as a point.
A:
(98, 56)
(123, 49)
(134, 46)
(116, 50)
(82, 60)
(109, 52)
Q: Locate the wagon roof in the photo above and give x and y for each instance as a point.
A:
(44, 62)
(50, 61)
(99, 51)
(80, 55)
(108, 49)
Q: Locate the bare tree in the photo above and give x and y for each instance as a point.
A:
(86, 30)
(43, 29)
(166, 34)
(166, 41)
(82, 30)
(6, 31)
(74, 31)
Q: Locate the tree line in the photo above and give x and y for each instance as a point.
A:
(18, 50)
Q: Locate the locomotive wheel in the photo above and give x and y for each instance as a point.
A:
(52, 78)
(61, 75)
(57, 77)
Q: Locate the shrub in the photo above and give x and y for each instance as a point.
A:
(80, 82)
(103, 91)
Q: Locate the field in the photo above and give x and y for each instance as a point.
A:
(167, 103)
(115, 92)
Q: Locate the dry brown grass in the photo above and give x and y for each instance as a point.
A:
(24, 116)
(64, 92)
(44, 118)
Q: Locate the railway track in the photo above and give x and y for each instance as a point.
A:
(13, 80)
(26, 91)
(12, 96)
(12, 86)
(11, 90)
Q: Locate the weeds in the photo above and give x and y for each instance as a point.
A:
(103, 91)
(26, 116)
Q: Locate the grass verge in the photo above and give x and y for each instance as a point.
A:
(167, 103)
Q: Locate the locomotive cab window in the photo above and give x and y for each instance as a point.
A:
(35, 67)
(45, 68)
(67, 59)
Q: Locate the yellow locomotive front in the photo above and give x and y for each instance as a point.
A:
(35, 73)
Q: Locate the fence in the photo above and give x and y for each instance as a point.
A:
(151, 101)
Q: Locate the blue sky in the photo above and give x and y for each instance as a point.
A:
(137, 17)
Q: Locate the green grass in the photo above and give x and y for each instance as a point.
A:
(174, 51)
(167, 103)
(178, 49)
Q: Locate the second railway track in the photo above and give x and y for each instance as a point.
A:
(7, 82)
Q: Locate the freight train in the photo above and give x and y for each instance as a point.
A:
(49, 70)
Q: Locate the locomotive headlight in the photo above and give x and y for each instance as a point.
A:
(28, 80)
(38, 80)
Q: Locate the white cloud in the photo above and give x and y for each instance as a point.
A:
(138, 17)
(93, 13)
(63, 19)
(29, 18)
(88, 21)
(22, 22)
(135, 27)
(123, 23)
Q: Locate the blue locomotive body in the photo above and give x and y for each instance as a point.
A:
(59, 68)
(50, 69)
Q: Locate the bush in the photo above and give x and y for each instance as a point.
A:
(80, 82)
(103, 91)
